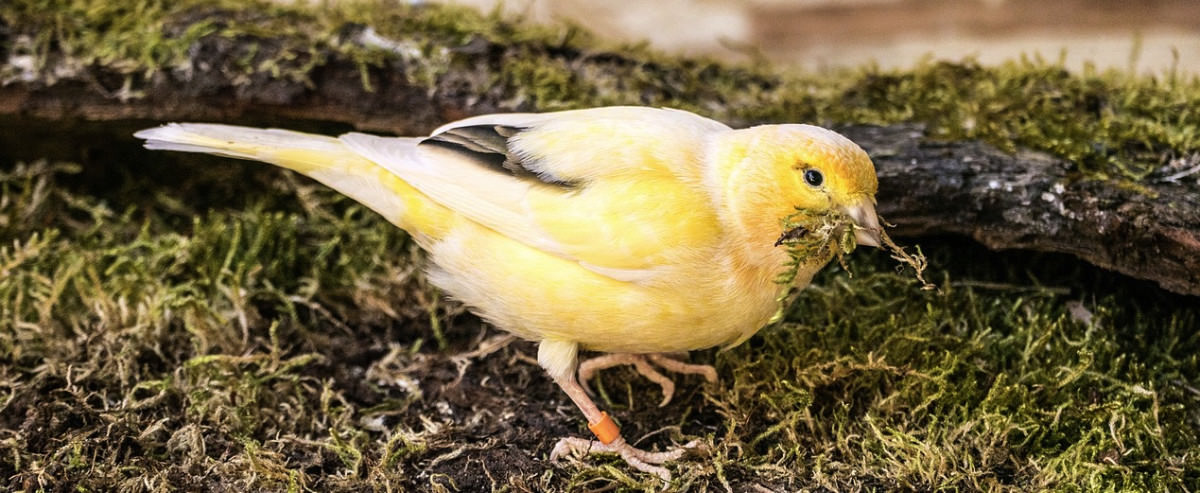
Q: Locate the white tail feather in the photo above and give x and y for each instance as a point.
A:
(320, 157)
(232, 141)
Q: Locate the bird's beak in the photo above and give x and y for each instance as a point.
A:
(866, 222)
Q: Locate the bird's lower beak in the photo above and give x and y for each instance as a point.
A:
(866, 222)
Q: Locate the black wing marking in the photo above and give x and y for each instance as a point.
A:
(487, 145)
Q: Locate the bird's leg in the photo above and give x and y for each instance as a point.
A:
(609, 435)
(641, 363)
(560, 359)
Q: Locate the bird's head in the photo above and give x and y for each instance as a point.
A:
(767, 173)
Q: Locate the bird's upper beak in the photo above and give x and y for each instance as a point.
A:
(866, 222)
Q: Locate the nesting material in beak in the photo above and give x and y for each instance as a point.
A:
(815, 234)
(866, 222)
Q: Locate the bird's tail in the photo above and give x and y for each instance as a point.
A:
(320, 157)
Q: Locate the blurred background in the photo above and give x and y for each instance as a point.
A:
(1149, 36)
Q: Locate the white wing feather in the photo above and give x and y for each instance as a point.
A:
(561, 144)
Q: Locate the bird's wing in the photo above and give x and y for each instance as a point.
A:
(616, 189)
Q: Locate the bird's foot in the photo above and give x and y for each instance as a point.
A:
(641, 460)
(642, 363)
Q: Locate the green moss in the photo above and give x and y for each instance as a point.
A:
(205, 335)
(542, 83)
(972, 389)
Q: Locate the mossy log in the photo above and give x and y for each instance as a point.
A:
(1027, 200)
(1021, 199)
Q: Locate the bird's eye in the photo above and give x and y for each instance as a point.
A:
(813, 177)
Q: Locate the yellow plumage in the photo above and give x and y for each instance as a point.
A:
(623, 229)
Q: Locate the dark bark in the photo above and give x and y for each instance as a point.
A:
(1029, 200)
(1025, 200)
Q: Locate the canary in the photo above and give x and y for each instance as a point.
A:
(635, 231)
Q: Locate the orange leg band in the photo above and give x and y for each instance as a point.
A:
(605, 430)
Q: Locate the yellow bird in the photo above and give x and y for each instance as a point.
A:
(626, 230)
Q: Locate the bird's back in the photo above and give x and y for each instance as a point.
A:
(611, 238)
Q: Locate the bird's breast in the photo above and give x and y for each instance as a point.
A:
(696, 304)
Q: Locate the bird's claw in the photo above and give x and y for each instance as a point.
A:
(642, 363)
(641, 460)
(707, 371)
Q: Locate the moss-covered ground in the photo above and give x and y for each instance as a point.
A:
(185, 323)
